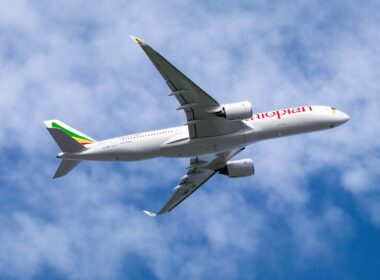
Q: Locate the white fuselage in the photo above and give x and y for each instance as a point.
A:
(175, 142)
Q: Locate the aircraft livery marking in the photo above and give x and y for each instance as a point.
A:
(81, 139)
(280, 113)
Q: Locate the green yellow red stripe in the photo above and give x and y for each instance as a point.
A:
(79, 138)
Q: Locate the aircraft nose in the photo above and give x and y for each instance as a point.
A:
(343, 118)
(346, 117)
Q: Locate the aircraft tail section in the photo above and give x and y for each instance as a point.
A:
(65, 142)
(65, 167)
(78, 136)
(68, 145)
(69, 140)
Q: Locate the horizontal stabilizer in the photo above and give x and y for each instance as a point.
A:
(65, 142)
(150, 214)
(65, 167)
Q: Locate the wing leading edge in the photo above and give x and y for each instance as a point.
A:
(202, 120)
(199, 107)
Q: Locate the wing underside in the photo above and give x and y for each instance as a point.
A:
(200, 108)
(203, 120)
(200, 170)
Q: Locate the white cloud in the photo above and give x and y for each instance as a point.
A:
(74, 61)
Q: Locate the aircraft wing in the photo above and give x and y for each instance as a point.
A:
(200, 108)
(200, 170)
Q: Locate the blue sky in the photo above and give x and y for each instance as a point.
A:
(310, 212)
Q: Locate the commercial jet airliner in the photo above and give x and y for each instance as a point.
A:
(213, 134)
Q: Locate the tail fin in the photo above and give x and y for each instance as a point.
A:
(78, 136)
(65, 142)
(69, 140)
(65, 167)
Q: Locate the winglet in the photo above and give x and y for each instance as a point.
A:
(137, 40)
(150, 214)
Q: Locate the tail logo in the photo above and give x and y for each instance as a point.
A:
(81, 139)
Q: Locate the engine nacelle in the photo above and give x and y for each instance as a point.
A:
(236, 111)
(238, 168)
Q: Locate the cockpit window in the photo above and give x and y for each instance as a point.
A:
(332, 108)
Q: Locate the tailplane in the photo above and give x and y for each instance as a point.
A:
(65, 167)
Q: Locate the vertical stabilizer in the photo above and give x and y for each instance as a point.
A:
(65, 142)
(72, 132)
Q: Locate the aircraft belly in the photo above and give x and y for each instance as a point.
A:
(134, 150)
(206, 145)
(140, 150)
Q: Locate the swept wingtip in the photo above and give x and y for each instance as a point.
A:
(137, 40)
(48, 123)
(150, 214)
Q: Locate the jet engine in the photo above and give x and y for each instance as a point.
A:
(236, 111)
(238, 168)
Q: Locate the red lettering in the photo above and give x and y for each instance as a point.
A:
(279, 114)
(297, 110)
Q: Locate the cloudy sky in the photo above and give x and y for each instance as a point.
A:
(312, 210)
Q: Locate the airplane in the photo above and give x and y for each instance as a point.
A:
(213, 134)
